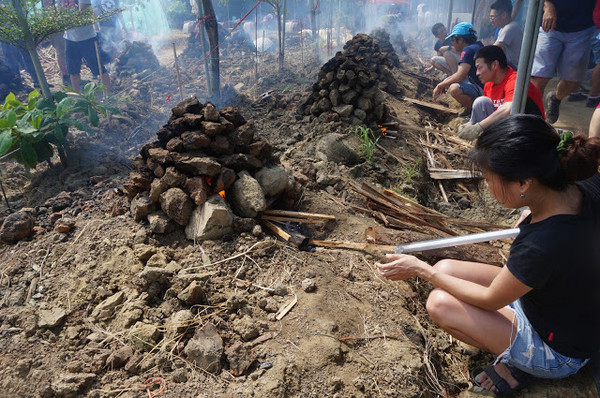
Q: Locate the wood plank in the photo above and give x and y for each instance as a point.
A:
(436, 107)
(446, 174)
(295, 239)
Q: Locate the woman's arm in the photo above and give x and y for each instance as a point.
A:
(503, 290)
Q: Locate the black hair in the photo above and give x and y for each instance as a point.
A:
(490, 54)
(436, 27)
(470, 38)
(525, 146)
(502, 5)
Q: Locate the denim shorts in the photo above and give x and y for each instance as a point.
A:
(529, 353)
(567, 53)
(470, 89)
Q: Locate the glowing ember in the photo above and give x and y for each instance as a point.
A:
(222, 193)
(382, 129)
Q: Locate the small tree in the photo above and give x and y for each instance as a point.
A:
(25, 25)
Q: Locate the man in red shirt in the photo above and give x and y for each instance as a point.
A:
(499, 86)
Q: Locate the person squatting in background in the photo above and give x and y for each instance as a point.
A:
(540, 313)
(463, 85)
(499, 86)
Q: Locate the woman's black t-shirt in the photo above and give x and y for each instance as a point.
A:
(559, 258)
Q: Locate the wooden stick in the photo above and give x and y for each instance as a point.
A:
(297, 214)
(178, 74)
(291, 219)
(366, 247)
(99, 65)
(436, 107)
(297, 240)
(286, 308)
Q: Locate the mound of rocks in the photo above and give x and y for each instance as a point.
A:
(209, 172)
(383, 39)
(136, 57)
(350, 83)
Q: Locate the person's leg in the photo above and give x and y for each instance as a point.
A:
(571, 67)
(73, 60)
(465, 93)
(89, 55)
(452, 58)
(58, 42)
(439, 63)
(595, 124)
(482, 108)
(487, 330)
(547, 53)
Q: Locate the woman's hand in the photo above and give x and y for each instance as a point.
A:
(403, 266)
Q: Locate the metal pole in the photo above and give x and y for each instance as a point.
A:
(456, 241)
(530, 36)
(450, 9)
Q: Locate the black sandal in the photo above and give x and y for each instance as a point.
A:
(502, 385)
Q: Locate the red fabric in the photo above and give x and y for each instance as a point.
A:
(596, 15)
(504, 91)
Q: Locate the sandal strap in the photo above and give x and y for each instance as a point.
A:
(502, 385)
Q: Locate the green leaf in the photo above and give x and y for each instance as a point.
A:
(6, 141)
(11, 117)
(59, 96)
(43, 150)
(93, 115)
(28, 154)
(9, 98)
(45, 104)
(4, 124)
(36, 122)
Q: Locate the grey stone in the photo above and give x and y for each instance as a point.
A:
(349, 96)
(198, 165)
(158, 260)
(246, 196)
(157, 187)
(160, 223)
(309, 285)
(344, 110)
(192, 294)
(360, 114)
(273, 180)
(172, 177)
(212, 220)
(143, 336)
(107, 308)
(141, 206)
(211, 113)
(177, 205)
(51, 318)
(332, 148)
(205, 349)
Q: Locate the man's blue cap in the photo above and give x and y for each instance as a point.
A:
(462, 29)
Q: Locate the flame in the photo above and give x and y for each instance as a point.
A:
(382, 129)
(222, 193)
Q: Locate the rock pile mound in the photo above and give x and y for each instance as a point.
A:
(350, 83)
(209, 172)
(135, 58)
(383, 39)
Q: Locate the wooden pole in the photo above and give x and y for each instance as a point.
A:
(99, 64)
(178, 74)
(256, 48)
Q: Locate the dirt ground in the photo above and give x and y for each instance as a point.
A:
(81, 316)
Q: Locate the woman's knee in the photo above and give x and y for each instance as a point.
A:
(439, 305)
(446, 266)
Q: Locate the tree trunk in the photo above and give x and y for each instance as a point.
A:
(213, 40)
(30, 47)
(204, 51)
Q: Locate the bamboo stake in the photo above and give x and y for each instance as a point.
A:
(314, 216)
(99, 64)
(301, 45)
(178, 74)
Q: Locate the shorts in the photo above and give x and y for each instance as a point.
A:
(567, 53)
(438, 59)
(470, 89)
(75, 51)
(529, 353)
